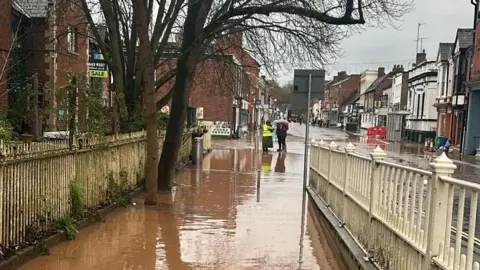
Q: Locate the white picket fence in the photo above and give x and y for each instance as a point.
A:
(404, 217)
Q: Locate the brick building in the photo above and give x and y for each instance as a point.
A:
(225, 86)
(377, 96)
(51, 38)
(336, 93)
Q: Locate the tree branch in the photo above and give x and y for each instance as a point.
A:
(165, 99)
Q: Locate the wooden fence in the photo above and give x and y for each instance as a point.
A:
(35, 179)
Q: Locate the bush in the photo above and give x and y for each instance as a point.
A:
(162, 120)
(6, 129)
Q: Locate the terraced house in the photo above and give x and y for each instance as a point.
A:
(45, 38)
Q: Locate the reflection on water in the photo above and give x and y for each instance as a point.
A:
(213, 220)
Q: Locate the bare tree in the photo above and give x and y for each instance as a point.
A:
(147, 69)
(278, 32)
(120, 47)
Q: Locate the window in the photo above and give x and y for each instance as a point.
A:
(384, 101)
(382, 120)
(72, 39)
(444, 78)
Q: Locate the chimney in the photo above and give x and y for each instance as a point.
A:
(397, 69)
(421, 57)
(381, 71)
(236, 38)
(342, 74)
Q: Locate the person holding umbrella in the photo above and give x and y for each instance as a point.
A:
(281, 132)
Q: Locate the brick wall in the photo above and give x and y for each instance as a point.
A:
(212, 88)
(5, 43)
(341, 92)
(476, 58)
(69, 14)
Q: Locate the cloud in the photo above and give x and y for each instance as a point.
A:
(388, 46)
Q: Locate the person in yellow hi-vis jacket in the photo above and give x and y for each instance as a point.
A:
(267, 141)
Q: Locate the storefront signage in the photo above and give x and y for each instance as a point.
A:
(199, 113)
(419, 90)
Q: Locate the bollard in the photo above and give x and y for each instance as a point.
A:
(258, 178)
(197, 151)
(258, 185)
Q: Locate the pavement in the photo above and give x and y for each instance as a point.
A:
(218, 217)
(405, 153)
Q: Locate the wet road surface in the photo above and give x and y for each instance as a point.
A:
(217, 218)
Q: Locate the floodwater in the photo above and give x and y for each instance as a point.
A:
(217, 218)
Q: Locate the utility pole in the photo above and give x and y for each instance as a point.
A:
(418, 35)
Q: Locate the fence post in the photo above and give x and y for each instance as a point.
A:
(437, 222)
(377, 155)
(313, 154)
(331, 146)
(349, 149)
(321, 144)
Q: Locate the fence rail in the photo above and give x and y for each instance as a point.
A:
(35, 179)
(404, 217)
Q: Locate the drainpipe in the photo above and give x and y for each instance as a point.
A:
(464, 123)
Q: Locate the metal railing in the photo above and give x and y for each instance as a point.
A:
(404, 217)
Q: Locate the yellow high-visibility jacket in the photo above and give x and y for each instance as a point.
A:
(266, 131)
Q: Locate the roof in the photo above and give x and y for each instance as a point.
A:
(352, 98)
(19, 9)
(342, 81)
(377, 82)
(444, 50)
(32, 8)
(464, 38)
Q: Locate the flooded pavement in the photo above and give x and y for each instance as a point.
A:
(405, 153)
(217, 218)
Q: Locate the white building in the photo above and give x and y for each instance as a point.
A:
(384, 106)
(366, 79)
(422, 93)
(399, 93)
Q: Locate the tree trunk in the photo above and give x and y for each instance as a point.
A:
(186, 64)
(140, 10)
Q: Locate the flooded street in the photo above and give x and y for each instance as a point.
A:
(217, 218)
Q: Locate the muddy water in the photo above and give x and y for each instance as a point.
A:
(217, 218)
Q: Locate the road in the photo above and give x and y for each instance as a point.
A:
(216, 218)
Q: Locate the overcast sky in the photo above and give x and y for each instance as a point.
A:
(387, 47)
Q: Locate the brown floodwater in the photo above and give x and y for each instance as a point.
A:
(216, 218)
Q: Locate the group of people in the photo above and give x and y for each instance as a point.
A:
(280, 131)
